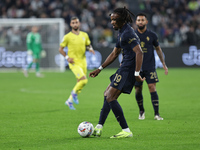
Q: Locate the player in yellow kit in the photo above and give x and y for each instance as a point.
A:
(77, 41)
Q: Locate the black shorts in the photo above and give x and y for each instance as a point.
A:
(150, 75)
(123, 80)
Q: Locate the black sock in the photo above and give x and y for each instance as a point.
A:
(139, 99)
(104, 112)
(117, 110)
(155, 102)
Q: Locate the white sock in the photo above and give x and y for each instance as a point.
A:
(126, 130)
(70, 99)
(74, 92)
(99, 126)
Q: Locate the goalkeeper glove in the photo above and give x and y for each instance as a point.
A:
(43, 54)
(29, 52)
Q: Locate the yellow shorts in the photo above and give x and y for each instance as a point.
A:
(79, 69)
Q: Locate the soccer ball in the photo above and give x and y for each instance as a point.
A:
(85, 129)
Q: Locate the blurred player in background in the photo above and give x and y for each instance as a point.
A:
(124, 78)
(34, 47)
(148, 40)
(77, 41)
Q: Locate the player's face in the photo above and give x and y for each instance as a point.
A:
(75, 24)
(114, 17)
(34, 29)
(141, 22)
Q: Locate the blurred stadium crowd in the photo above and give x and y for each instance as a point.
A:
(177, 22)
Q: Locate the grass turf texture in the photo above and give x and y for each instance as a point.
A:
(33, 115)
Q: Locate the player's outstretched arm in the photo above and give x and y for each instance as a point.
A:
(62, 52)
(139, 58)
(115, 53)
(91, 50)
(94, 73)
(160, 55)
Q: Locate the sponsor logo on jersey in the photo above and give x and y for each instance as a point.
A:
(115, 84)
(148, 38)
(131, 40)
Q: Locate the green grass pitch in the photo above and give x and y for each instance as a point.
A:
(33, 115)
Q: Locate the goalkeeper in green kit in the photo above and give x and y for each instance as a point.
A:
(34, 47)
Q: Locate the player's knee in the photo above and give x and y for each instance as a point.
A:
(82, 78)
(152, 88)
(84, 82)
(110, 98)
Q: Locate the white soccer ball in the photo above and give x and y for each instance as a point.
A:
(85, 129)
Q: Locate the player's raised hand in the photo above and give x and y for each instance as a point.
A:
(139, 78)
(94, 73)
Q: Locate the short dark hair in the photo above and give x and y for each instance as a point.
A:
(124, 14)
(73, 18)
(141, 14)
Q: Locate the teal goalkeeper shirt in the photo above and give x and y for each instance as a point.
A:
(33, 42)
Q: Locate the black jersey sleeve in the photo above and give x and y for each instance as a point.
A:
(155, 39)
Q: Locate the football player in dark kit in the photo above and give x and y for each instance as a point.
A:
(124, 78)
(148, 40)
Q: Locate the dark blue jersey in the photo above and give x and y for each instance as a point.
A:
(148, 40)
(127, 40)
